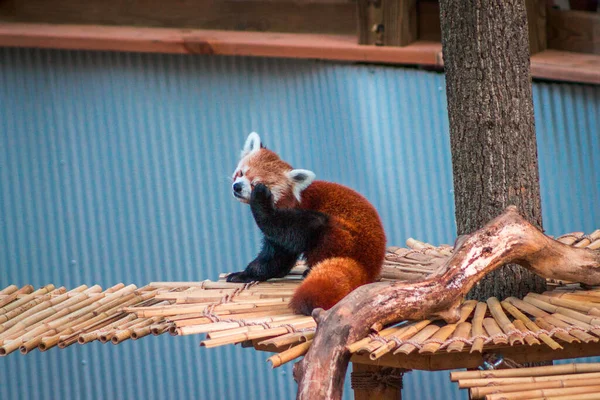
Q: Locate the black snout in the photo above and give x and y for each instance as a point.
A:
(237, 187)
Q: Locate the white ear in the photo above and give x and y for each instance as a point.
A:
(301, 179)
(252, 144)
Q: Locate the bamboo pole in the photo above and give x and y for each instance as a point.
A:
(530, 340)
(262, 333)
(583, 306)
(582, 396)
(577, 368)
(375, 343)
(160, 328)
(565, 311)
(10, 346)
(440, 336)
(418, 339)
(44, 312)
(256, 327)
(462, 331)
(62, 318)
(480, 392)
(583, 336)
(13, 296)
(545, 393)
(288, 355)
(102, 313)
(526, 307)
(494, 331)
(573, 321)
(9, 290)
(477, 327)
(288, 339)
(39, 311)
(401, 335)
(19, 311)
(354, 347)
(12, 302)
(123, 334)
(484, 382)
(507, 327)
(530, 325)
(561, 335)
(94, 335)
(238, 326)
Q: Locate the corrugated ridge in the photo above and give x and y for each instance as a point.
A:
(114, 167)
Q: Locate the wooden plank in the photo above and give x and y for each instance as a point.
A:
(308, 16)
(566, 66)
(428, 15)
(549, 64)
(576, 31)
(536, 22)
(188, 41)
(399, 22)
(444, 361)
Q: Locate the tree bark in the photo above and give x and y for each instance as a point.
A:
(492, 134)
(507, 238)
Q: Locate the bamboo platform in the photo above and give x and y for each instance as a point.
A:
(557, 382)
(256, 315)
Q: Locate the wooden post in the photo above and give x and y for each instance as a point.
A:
(536, 22)
(399, 22)
(387, 22)
(372, 382)
(370, 22)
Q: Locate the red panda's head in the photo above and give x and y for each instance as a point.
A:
(260, 165)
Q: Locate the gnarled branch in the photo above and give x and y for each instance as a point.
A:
(508, 238)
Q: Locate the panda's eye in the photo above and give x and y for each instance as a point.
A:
(241, 173)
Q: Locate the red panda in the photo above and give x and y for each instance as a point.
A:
(336, 229)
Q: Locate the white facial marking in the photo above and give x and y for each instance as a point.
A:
(300, 179)
(244, 194)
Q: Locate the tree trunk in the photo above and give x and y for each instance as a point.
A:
(492, 133)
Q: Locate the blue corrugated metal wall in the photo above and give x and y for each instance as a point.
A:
(114, 168)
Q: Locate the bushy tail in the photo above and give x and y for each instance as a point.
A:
(327, 283)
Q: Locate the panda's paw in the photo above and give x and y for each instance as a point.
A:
(262, 197)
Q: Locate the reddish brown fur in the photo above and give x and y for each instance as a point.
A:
(351, 253)
(352, 250)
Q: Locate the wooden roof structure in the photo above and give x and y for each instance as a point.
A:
(561, 323)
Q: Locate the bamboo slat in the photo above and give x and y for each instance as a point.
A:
(257, 314)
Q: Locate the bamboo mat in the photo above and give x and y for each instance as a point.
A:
(558, 382)
(256, 314)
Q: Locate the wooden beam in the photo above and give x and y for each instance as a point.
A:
(536, 22)
(576, 31)
(191, 41)
(566, 66)
(294, 16)
(549, 64)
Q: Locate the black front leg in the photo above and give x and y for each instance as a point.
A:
(295, 230)
(273, 261)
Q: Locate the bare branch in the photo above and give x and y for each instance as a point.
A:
(508, 238)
